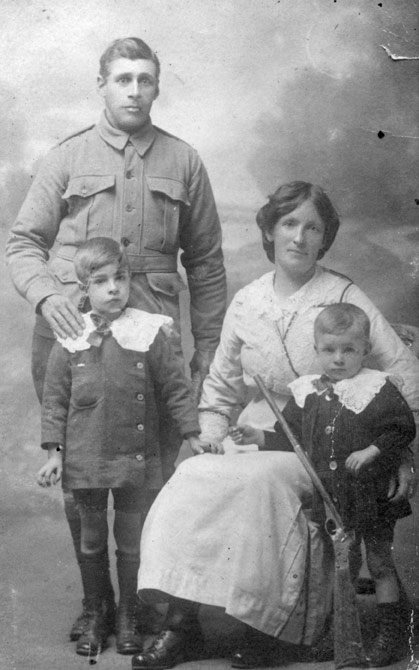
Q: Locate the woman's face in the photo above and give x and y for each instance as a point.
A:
(298, 238)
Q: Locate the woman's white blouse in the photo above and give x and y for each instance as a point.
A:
(274, 339)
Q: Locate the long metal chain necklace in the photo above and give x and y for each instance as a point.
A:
(283, 337)
(332, 456)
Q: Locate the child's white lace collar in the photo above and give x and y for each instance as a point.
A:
(134, 329)
(354, 393)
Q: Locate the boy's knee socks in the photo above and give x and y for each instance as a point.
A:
(74, 523)
(127, 568)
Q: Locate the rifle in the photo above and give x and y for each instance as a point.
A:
(348, 645)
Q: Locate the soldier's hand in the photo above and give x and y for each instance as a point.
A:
(200, 365)
(62, 316)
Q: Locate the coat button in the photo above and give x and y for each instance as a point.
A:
(129, 174)
(125, 241)
(84, 191)
(140, 427)
(139, 457)
(328, 430)
(128, 208)
(140, 365)
(140, 396)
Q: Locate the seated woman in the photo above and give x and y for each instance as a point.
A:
(235, 531)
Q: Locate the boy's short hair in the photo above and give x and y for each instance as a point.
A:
(95, 254)
(339, 317)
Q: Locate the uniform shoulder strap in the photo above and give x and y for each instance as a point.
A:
(75, 134)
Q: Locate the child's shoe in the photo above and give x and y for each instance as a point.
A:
(95, 636)
(389, 645)
(128, 639)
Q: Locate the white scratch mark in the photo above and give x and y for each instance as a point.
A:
(14, 603)
(393, 57)
(413, 662)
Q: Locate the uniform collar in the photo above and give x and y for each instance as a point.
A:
(119, 139)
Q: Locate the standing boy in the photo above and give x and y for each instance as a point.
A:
(100, 427)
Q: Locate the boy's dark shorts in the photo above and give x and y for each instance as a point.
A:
(127, 499)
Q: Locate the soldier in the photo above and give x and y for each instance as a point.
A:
(127, 179)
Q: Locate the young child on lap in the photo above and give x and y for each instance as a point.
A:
(353, 423)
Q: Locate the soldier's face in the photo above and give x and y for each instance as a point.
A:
(129, 91)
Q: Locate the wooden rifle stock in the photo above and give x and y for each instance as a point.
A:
(348, 645)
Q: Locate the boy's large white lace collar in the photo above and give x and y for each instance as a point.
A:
(354, 393)
(134, 329)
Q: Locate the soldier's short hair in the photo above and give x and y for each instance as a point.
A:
(127, 47)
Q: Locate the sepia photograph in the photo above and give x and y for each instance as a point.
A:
(209, 221)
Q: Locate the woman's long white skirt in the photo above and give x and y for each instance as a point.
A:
(234, 531)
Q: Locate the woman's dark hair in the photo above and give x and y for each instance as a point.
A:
(287, 198)
(127, 47)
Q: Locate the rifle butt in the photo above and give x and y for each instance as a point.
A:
(348, 645)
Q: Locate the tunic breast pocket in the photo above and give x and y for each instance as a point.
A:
(87, 388)
(161, 225)
(90, 201)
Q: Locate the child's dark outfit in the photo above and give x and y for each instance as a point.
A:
(99, 404)
(332, 420)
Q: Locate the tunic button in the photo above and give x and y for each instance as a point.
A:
(140, 396)
(84, 191)
(328, 430)
(140, 366)
(125, 241)
(139, 457)
(129, 208)
(140, 427)
(129, 174)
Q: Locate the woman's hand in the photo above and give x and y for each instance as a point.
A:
(51, 472)
(247, 435)
(358, 459)
(199, 446)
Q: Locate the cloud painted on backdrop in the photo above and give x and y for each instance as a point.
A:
(348, 118)
(261, 89)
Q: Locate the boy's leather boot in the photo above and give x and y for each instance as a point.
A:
(128, 639)
(389, 645)
(95, 634)
(79, 626)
